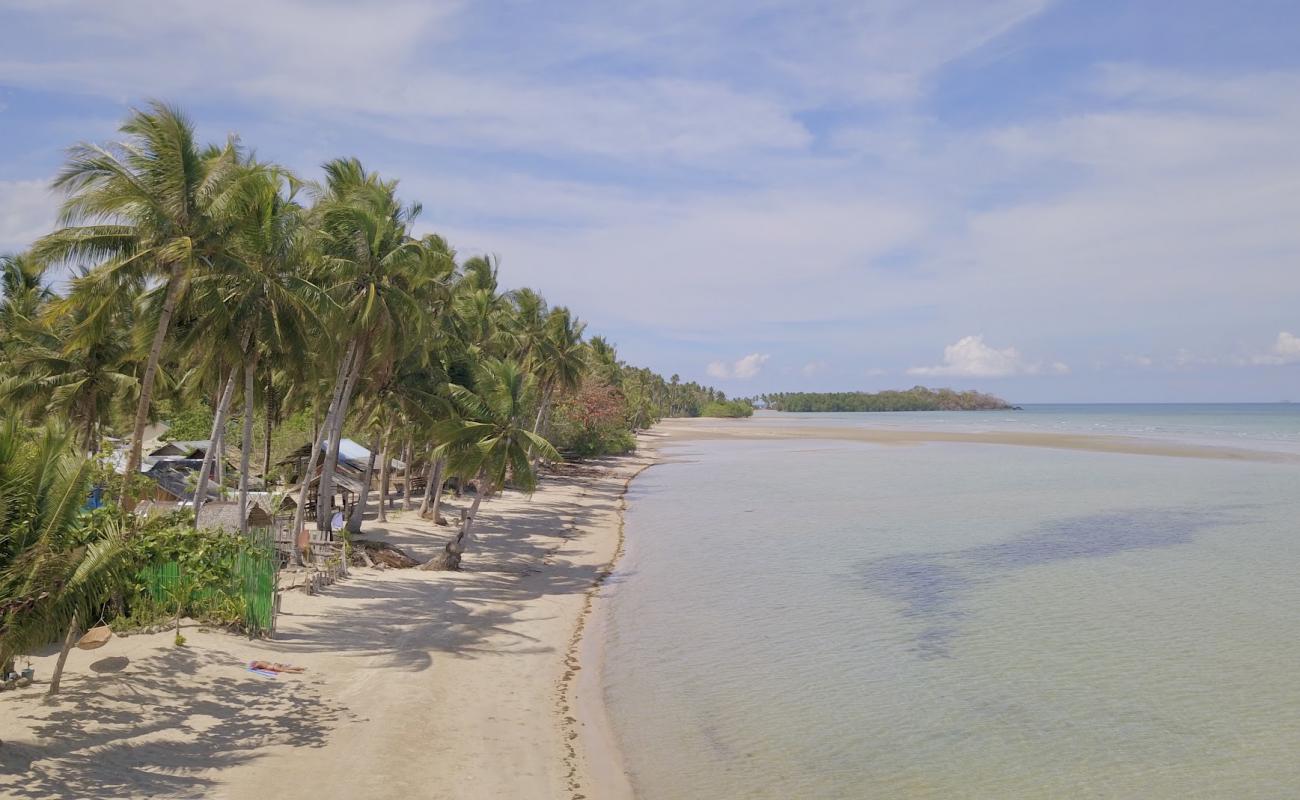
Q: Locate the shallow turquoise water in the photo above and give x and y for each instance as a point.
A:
(808, 619)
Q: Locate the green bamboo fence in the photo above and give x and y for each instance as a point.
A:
(252, 579)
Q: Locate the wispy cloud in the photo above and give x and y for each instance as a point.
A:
(27, 210)
(840, 160)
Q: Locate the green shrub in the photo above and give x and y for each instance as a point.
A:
(727, 408)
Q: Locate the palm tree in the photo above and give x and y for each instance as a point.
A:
(23, 293)
(142, 211)
(78, 373)
(491, 441)
(368, 262)
(563, 359)
(604, 361)
(259, 295)
(57, 565)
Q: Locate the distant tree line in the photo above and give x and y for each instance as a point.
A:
(918, 398)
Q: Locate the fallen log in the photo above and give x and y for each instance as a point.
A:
(380, 555)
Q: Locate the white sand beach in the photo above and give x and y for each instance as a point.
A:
(417, 684)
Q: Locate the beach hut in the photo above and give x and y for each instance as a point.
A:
(188, 449)
(225, 515)
(174, 480)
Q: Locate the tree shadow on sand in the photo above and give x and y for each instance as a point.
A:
(402, 620)
(103, 736)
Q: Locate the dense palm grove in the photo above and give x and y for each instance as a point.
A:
(245, 305)
(918, 398)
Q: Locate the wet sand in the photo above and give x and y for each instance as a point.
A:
(770, 426)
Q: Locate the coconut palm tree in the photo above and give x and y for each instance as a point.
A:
(57, 565)
(368, 263)
(491, 441)
(82, 374)
(604, 363)
(563, 359)
(23, 294)
(259, 298)
(141, 211)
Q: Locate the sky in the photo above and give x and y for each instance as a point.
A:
(1052, 201)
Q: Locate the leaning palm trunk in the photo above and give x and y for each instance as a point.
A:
(266, 451)
(450, 557)
(146, 382)
(214, 444)
(433, 491)
(335, 434)
(246, 446)
(359, 510)
(314, 458)
(68, 641)
(219, 466)
(541, 417)
(383, 474)
(406, 474)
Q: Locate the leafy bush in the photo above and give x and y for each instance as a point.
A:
(591, 422)
(178, 566)
(727, 408)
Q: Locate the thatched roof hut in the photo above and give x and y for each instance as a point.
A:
(225, 515)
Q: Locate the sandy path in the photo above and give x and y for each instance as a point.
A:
(418, 684)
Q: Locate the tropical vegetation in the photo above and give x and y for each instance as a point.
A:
(918, 398)
(263, 312)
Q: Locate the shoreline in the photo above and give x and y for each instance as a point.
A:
(706, 428)
(584, 713)
(417, 684)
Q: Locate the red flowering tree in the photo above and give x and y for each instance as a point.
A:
(591, 421)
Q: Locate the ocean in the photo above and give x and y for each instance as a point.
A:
(805, 618)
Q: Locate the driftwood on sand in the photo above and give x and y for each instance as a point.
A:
(366, 553)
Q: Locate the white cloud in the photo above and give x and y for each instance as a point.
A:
(813, 367)
(1286, 350)
(1102, 221)
(971, 357)
(27, 211)
(743, 368)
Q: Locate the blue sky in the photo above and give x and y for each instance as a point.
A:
(1051, 201)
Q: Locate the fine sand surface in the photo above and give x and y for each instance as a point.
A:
(417, 684)
(769, 426)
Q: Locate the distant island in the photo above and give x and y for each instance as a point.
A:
(918, 398)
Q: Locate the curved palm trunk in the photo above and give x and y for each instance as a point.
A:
(300, 532)
(384, 477)
(266, 446)
(246, 445)
(433, 491)
(541, 413)
(219, 465)
(450, 557)
(335, 433)
(214, 444)
(359, 510)
(174, 279)
(68, 641)
(406, 474)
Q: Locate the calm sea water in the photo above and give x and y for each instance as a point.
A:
(819, 619)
